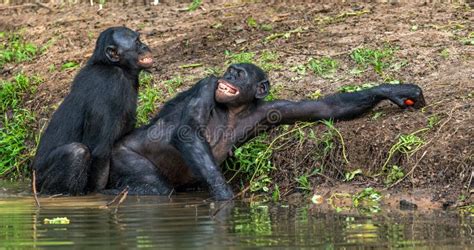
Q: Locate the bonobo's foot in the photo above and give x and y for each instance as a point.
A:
(404, 95)
(222, 192)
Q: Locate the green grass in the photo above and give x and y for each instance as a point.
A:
(194, 5)
(268, 61)
(354, 88)
(69, 66)
(323, 67)
(242, 57)
(13, 48)
(379, 59)
(252, 162)
(16, 125)
(148, 98)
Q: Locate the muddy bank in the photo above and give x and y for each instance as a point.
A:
(431, 47)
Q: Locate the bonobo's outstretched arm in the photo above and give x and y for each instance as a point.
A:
(341, 106)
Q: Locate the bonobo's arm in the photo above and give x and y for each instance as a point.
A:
(343, 106)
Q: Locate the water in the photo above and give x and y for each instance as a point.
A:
(188, 221)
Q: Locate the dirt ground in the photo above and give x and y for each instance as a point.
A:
(429, 42)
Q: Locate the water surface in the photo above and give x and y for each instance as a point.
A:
(189, 221)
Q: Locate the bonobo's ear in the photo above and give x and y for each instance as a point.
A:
(263, 89)
(112, 53)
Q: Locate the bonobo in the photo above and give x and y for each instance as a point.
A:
(195, 132)
(74, 152)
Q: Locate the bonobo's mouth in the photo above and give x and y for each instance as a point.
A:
(226, 88)
(145, 60)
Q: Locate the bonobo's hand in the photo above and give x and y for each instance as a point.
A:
(404, 95)
(222, 192)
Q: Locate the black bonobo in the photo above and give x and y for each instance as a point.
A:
(196, 131)
(73, 155)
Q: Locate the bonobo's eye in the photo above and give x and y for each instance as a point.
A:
(241, 74)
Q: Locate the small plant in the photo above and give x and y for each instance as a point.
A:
(284, 35)
(274, 91)
(378, 59)
(355, 88)
(299, 69)
(16, 125)
(13, 48)
(276, 193)
(395, 173)
(303, 182)
(243, 57)
(349, 176)
(315, 94)
(69, 66)
(251, 22)
(324, 66)
(444, 53)
(406, 144)
(194, 5)
(368, 195)
(267, 61)
(433, 121)
(173, 84)
(252, 159)
(148, 98)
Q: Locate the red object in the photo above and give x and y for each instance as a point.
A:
(409, 102)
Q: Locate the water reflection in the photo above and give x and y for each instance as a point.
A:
(188, 221)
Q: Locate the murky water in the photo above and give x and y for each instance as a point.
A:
(186, 221)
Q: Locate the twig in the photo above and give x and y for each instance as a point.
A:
(124, 196)
(169, 195)
(118, 195)
(226, 203)
(35, 194)
(410, 172)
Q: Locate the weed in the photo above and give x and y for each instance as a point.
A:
(173, 84)
(274, 91)
(378, 59)
(217, 71)
(355, 88)
(194, 5)
(276, 193)
(284, 35)
(367, 195)
(243, 57)
(469, 40)
(444, 53)
(299, 69)
(148, 98)
(16, 124)
(324, 66)
(303, 182)
(349, 176)
(266, 27)
(267, 61)
(377, 115)
(252, 159)
(15, 49)
(433, 121)
(251, 22)
(69, 66)
(406, 144)
(315, 94)
(394, 174)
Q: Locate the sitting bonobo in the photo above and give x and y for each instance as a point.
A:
(74, 152)
(195, 132)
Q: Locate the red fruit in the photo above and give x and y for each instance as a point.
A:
(409, 102)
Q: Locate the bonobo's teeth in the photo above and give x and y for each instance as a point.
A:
(227, 90)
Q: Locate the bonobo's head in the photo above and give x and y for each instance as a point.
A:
(242, 84)
(122, 46)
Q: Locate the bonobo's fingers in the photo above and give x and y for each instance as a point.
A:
(404, 95)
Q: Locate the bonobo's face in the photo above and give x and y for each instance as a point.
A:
(127, 50)
(242, 84)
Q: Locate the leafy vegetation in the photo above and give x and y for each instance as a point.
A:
(69, 65)
(13, 48)
(355, 88)
(148, 98)
(379, 59)
(16, 128)
(194, 5)
(324, 66)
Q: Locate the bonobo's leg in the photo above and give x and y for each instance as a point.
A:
(65, 170)
(198, 156)
(138, 173)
